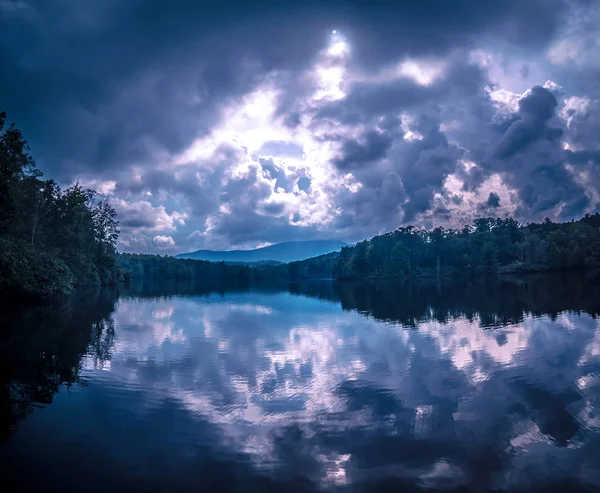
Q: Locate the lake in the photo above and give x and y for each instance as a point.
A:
(429, 386)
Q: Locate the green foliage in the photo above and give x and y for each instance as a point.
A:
(320, 267)
(50, 240)
(489, 246)
(169, 268)
(32, 271)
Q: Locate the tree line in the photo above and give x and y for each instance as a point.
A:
(320, 267)
(488, 246)
(51, 240)
(165, 268)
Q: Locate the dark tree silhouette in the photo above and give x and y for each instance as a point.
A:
(50, 240)
(489, 246)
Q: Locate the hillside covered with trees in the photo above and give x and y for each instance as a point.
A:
(51, 240)
(155, 267)
(489, 246)
(320, 267)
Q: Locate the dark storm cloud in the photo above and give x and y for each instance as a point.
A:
(538, 105)
(371, 146)
(382, 31)
(488, 207)
(584, 157)
(95, 90)
(584, 126)
(535, 110)
(583, 132)
(382, 101)
(135, 222)
(531, 158)
(493, 200)
(543, 183)
(376, 205)
(366, 99)
(100, 85)
(441, 211)
(398, 178)
(418, 168)
(526, 149)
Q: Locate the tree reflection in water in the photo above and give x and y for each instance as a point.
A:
(41, 348)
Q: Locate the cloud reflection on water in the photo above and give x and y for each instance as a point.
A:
(299, 384)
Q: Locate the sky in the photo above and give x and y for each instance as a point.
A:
(236, 124)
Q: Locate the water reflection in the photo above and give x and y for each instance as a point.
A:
(358, 387)
(41, 349)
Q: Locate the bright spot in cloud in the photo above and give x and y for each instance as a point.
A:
(506, 100)
(469, 165)
(423, 73)
(247, 123)
(258, 104)
(330, 80)
(409, 134)
(338, 49)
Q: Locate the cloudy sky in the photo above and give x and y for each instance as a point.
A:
(226, 124)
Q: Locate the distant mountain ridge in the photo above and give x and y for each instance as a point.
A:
(289, 251)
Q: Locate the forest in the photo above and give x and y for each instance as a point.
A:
(489, 246)
(165, 268)
(320, 267)
(51, 240)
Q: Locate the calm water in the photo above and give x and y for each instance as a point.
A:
(353, 387)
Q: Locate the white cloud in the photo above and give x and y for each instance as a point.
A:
(163, 241)
(143, 216)
(422, 72)
(572, 106)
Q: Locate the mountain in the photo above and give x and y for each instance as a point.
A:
(288, 251)
(258, 263)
